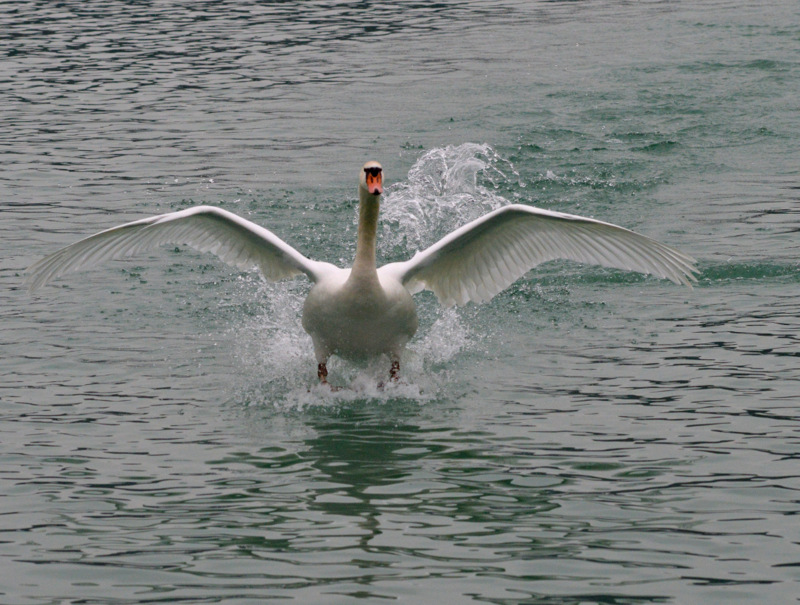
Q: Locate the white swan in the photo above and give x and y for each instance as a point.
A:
(368, 311)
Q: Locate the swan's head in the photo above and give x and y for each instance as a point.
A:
(371, 178)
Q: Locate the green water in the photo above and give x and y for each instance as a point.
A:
(588, 436)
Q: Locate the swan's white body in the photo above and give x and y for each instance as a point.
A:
(367, 311)
(357, 316)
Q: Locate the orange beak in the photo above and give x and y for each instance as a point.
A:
(375, 183)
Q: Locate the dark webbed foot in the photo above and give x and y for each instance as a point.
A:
(322, 374)
(394, 374)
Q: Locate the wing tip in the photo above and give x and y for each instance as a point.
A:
(35, 277)
(30, 286)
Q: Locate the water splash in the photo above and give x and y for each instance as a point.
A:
(446, 188)
(277, 359)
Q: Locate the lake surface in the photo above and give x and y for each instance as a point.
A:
(588, 436)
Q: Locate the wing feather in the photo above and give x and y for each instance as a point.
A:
(235, 240)
(487, 255)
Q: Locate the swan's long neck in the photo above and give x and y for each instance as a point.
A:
(364, 263)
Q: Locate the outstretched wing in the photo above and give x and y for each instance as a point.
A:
(208, 229)
(482, 258)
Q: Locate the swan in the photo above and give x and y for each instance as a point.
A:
(368, 311)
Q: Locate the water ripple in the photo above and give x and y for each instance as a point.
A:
(588, 436)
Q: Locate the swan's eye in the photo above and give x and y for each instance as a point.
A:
(373, 171)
